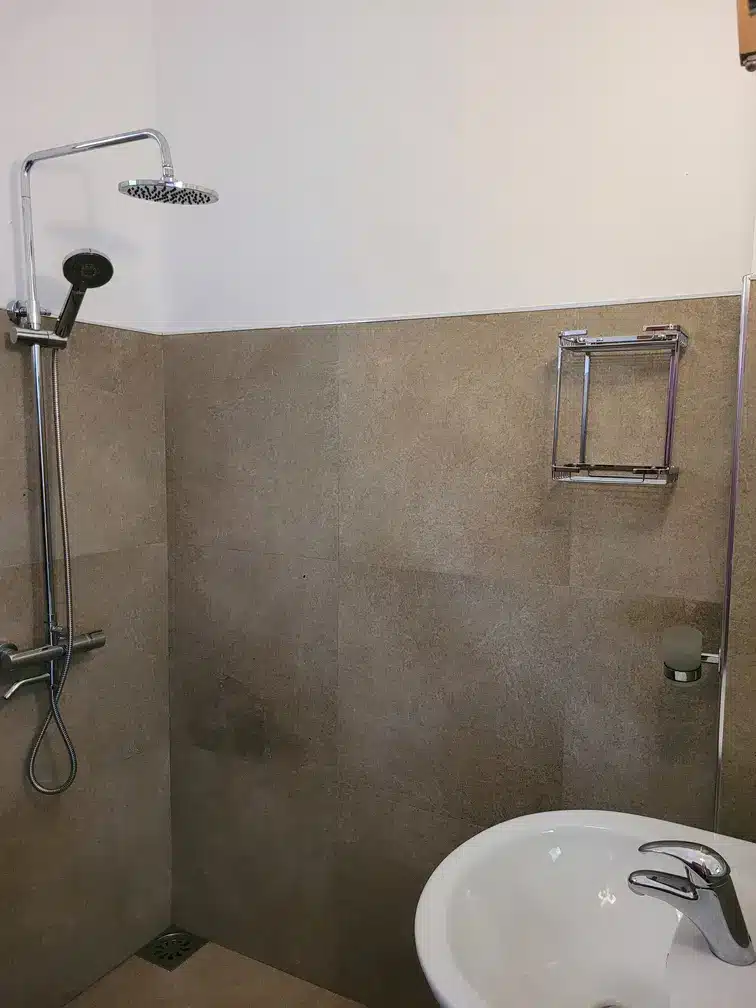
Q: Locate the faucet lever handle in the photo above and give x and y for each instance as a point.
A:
(704, 866)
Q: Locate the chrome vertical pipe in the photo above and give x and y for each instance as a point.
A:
(46, 522)
(745, 308)
(584, 411)
(33, 317)
(34, 321)
(557, 406)
(671, 399)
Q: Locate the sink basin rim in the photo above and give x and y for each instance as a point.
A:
(433, 949)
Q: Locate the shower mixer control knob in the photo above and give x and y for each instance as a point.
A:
(7, 650)
(17, 312)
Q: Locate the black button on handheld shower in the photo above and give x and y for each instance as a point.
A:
(83, 269)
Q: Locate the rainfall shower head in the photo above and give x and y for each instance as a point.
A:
(168, 190)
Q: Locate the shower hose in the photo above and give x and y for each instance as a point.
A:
(59, 670)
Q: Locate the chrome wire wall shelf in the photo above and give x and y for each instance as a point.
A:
(668, 339)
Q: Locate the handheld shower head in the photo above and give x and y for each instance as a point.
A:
(87, 268)
(168, 190)
(83, 269)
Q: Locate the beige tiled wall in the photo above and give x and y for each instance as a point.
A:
(390, 629)
(86, 876)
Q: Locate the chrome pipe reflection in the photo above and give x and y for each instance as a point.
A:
(745, 308)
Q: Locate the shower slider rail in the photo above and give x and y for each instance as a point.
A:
(668, 338)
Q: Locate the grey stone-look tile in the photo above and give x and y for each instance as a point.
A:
(252, 449)
(738, 794)
(194, 359)
(115, 468)
(445, 446)
(121, 361)
(22, 620)
(16, 399)
(289, 509)
(451, 691)
(19, 512)
(386, 852)
(125, 684)
(669, 541)
(112, 402)
(254, 655)
(634, 742)
(334, 874)
(266, 851)
(115, 703)
(95, 863)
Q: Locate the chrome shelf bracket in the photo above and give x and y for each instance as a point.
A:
(670, 339)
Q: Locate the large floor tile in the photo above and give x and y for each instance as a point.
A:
(214, 977)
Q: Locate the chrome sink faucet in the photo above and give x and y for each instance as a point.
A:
(705, 895)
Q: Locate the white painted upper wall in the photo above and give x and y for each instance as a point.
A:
(383, 159)
(74, 71)
(422, 157)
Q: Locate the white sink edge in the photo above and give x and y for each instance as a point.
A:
(430, 921)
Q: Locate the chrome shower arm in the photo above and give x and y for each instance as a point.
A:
(28, 272)
(108, 141)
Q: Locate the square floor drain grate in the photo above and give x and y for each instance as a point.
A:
(171, 948)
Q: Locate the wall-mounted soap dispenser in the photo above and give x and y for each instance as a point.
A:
(747, 31)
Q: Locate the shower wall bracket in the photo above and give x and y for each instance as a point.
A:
(669, 339)
(20, 332)
(40, 337)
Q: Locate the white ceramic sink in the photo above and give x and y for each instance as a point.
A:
(536, 913)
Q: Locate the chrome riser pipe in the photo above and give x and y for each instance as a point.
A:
(46, 522)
